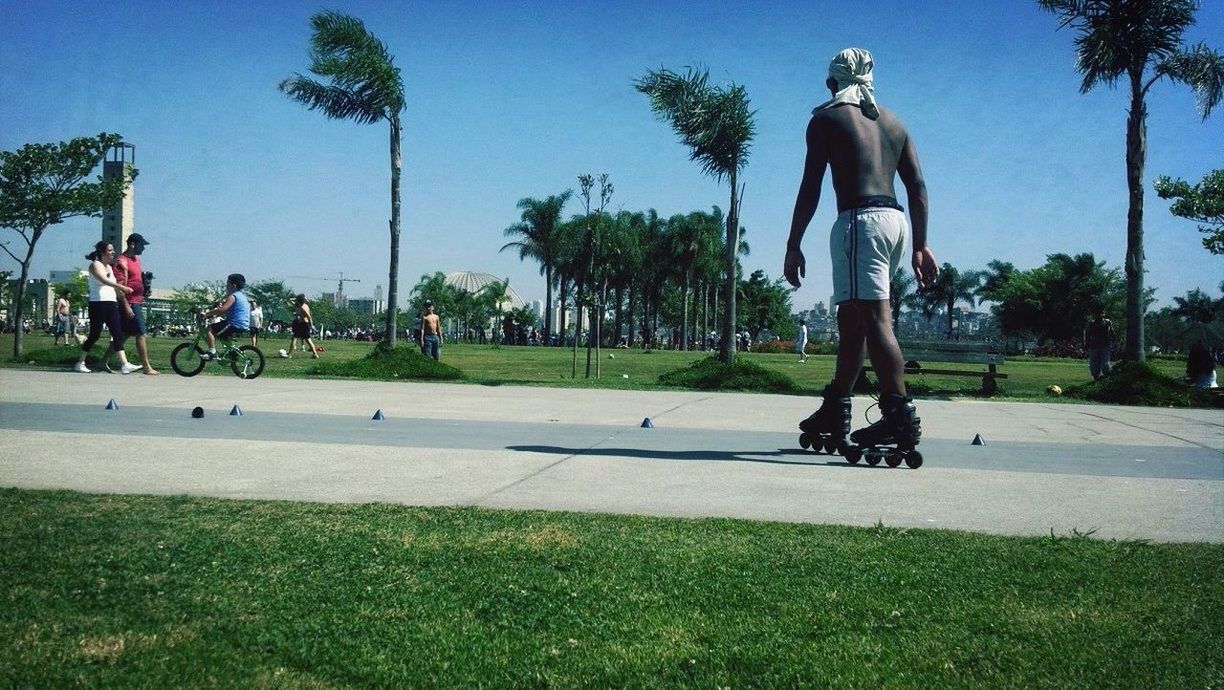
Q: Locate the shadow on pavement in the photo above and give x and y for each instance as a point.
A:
(766, 457)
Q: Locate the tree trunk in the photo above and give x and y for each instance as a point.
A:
(1136, 155)
(684, 309)
(727, 351)
(19, 306)
(629, 314)
(562, 316)
(620, 313)
(548, 283)
(393, 271)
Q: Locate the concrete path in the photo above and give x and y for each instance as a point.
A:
(1125, 472)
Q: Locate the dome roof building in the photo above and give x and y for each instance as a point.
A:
(473, 282)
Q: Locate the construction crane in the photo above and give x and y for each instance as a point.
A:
(340, 281)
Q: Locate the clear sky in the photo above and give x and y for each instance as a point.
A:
(508, 100)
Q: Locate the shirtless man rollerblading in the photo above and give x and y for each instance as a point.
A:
(865, 146)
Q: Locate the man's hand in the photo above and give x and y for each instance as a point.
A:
(795, 267)
(925, 268)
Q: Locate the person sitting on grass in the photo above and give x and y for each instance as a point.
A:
(236, 309)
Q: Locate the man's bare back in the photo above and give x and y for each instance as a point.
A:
(865, 155)
(429, 324)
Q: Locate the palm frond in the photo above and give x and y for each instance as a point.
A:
(335, 102)
(361, 81)
(1118, 37)
(1202, 69)
(715, 123)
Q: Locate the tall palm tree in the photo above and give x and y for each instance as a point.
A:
(952, 286)
(718, 127)
(1142, 40)
(364, 85)
(541, 241)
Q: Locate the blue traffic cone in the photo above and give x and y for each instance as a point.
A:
(647, 424)
(111, 405)
(378, 416)
(235, 412)
(977, 440)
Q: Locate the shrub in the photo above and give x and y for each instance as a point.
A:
(403, 362)
(1139, 383)
(712, 374)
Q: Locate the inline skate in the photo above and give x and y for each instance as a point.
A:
(892, 438)
(828, 427)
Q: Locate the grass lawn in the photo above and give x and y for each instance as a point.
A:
(634, 369)
(186, 592)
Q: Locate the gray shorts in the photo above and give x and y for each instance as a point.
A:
(867, 246)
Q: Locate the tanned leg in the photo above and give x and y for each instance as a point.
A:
(850, 347)
(886, 359)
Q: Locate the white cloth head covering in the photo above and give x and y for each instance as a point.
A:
(852, 70)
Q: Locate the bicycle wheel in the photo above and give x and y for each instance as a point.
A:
(248, 362)
(186, 359)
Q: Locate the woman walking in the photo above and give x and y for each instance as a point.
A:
(104, 309)
(302, 322)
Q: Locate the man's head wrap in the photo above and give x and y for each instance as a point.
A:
(852, 70)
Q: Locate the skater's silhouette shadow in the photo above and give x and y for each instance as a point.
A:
(775, 457)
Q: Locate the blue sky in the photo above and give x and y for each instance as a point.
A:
(507, 100)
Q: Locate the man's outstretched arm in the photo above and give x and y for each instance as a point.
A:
(806, 201)
(926, 270)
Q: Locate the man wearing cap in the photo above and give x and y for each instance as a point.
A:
(865, 146)
(129, 272)
(431, 332)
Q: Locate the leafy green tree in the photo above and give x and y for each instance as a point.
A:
(364, 85)
(78, 285)
(1142, 41)
(45, 184)
(1198, 307)
(1202, 203)
(766, 305)
(1053, 302)
(276, 299)
(195, 296)
(717, 126)
(950, 287)
(434, 288)
(541, 240)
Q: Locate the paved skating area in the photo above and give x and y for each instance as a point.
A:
(1126, 472)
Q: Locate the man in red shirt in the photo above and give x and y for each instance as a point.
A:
(129, 272)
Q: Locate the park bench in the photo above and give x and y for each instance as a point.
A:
(918, 354)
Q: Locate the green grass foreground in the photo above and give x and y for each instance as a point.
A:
(624, 369)
(137, 591)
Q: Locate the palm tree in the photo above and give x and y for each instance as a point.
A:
(363, 85)
(952, 286)
(538, 228)
(1142, 40)
(718, 126)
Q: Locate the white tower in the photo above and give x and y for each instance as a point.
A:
(119, 221)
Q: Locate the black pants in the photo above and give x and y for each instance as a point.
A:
(104, 313)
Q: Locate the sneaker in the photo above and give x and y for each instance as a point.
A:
(81, 368)
(209, 355)
(128, 368)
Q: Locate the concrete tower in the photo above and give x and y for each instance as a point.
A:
(119, 221)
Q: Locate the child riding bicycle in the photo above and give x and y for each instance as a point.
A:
(236, 309)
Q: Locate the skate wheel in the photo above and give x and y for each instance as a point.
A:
(852, 453)
(913, 459)
(873, 457)
(805, 441)
(830, 446)
(843, 449)
(893, 458)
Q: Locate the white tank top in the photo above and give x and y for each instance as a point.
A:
(97, 291)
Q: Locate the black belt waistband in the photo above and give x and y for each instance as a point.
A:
(875, 201)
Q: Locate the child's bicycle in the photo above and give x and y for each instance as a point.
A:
(188, 359)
